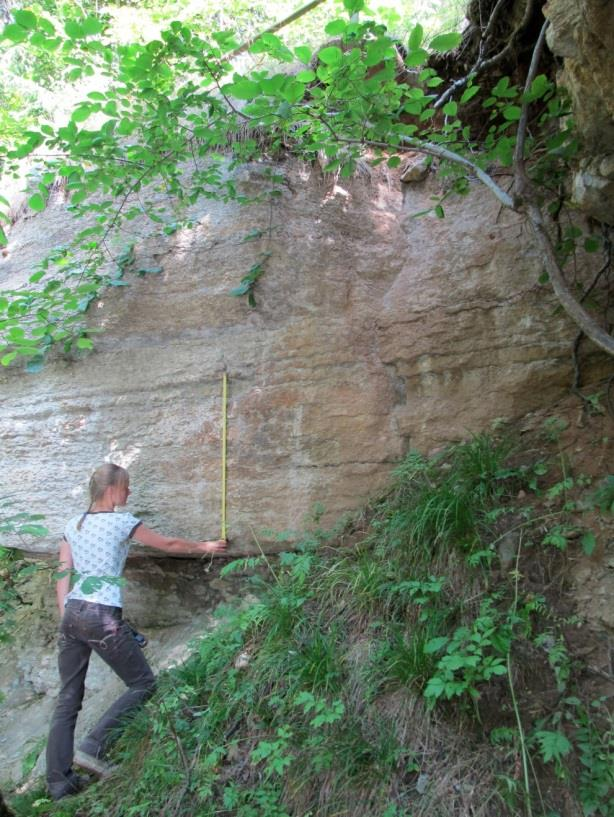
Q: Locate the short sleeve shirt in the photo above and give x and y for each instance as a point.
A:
(99, 550)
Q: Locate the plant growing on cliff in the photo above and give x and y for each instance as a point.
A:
(14, 571)
(177, 101)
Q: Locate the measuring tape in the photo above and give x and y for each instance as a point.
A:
(224, 439)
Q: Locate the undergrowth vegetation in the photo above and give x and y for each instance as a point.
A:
(403, 665)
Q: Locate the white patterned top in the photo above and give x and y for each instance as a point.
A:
(99, 552)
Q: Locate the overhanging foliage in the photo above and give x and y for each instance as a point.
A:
(177, 102)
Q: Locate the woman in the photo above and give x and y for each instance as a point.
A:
(95, 546)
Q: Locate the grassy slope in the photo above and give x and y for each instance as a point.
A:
(410, 664)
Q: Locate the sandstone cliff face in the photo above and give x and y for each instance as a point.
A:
(582, 33)
(374, 331)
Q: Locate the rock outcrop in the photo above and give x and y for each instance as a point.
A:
(582, 33)
(374, 331)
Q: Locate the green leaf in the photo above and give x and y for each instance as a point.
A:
(36, 202)
(15, 33)
(354, 6)
(469, 93)
(33, 530)
(416, 37)
(294, 92)
(84, 343)
(439, 211)
(8, 359)
(26, 19)
(46, 25)
(303, 53)
(553, 745)
(512, 113)
(592, 244)
(245, 89)
(91, 585)
(435, 644)
(81, 113)
(540, 86)
(502, 88)
(73, 30)
(450, 108)
(335, 28)
(91, 26)
(589, 543)
(3, 239)
(416, 58)
(331, 55)
(435, 688)
(446, 42)
(305, 76)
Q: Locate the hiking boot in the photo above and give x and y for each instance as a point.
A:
(99, 767)
(75, 783)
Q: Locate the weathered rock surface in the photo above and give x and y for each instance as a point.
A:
(582, 33)
(374, 331)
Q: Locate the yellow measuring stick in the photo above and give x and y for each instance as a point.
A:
(224, 437)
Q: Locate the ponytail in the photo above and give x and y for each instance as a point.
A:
(106, 476)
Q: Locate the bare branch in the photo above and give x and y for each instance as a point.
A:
(519, 163)
(440, 152)
(481, 64)
(525, 193)
(587, 324)
(276, 27)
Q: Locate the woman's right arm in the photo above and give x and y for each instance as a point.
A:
(173, 545)
(63, 584)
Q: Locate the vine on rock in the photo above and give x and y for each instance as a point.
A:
(172, 118)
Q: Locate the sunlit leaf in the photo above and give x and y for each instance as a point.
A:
(416, 58)
(446, 42)
(303, 53)
(416, 37)
(335, 27)
(331, 55)
(36, 202)
(15, 33)
(26, 19)
(245, 89)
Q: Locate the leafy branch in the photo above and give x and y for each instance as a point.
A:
(177, 101)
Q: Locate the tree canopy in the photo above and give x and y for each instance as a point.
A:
(152, 109)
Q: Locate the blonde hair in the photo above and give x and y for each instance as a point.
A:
(105, 476)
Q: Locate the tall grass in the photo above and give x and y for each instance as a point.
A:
(366, 674)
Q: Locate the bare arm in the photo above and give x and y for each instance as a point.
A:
(63, 584)
(172, 544)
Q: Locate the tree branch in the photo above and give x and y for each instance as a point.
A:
(587, 324)
(481, 64)
(526, 194)
(276, 27)
(440, 152)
